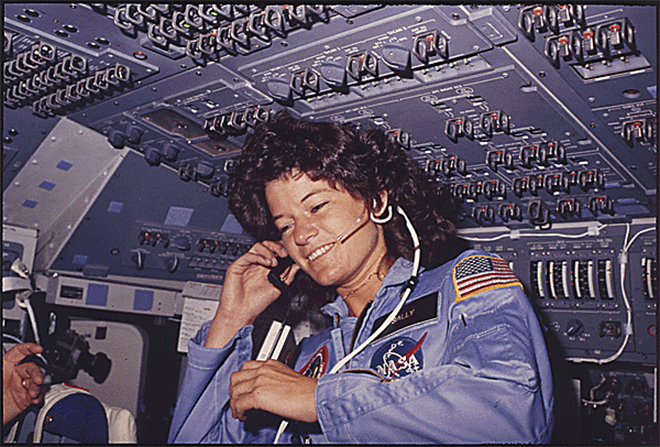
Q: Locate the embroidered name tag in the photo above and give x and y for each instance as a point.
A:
(423, 309)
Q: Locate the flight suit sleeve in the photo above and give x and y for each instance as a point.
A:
(482, 386)
(202, 413)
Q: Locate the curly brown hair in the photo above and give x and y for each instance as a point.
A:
(364, 162)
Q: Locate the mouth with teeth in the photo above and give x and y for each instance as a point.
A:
(320, 251)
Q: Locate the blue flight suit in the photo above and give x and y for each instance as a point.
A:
(463, 362)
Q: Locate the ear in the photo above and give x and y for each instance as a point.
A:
(379, 210)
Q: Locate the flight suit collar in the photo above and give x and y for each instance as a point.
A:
(396, 276)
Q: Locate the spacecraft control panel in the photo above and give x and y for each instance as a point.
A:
(121, 123)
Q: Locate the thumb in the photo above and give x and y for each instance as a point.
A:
(20, 351)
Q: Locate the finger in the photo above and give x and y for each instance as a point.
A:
(32, 390)
(34, 348)
(238, 390)
(34, 373)
(20, 351)
(252, 364)
(241, 405)
(267, 249)
(277, 247)
(252, 258)
(290, 274)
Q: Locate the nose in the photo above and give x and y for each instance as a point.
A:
(304, 231)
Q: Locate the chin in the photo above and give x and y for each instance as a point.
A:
(326, 277)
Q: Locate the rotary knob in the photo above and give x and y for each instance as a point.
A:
(574, 328)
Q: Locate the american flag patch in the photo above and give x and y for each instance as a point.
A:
(476, 274)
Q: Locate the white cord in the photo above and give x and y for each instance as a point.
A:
(19, 341)
(628, 328)
(408, 288)
(518, 235)
(404, 296)
(646, 230)
(25, 303)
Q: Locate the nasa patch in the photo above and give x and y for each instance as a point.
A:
(316, 366)
(399, 358)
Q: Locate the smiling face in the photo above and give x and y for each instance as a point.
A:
(310, 215)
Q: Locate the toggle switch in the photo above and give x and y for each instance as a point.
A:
(494, 188)
(510, 211)
(495, 158)
(601, 203)
(302, 80)
(640, 129)
(459, 127)
(172, 263)
(538, 213)
(592, 178)
(453, 129)
(295, 13)
(429, 44)
(274, 18)
(139, 258)
(256, 24)
(493, 121)
(483, 213)
(400, 137)
(364, 62)
(187, 173)
(220, 188)
(134, 134)
(519, 186)
(568, 207)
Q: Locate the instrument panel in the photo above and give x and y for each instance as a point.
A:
(122, 120)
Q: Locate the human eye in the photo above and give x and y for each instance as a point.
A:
(284, 228)
(317, 208)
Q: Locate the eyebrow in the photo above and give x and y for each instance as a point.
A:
(313, 193)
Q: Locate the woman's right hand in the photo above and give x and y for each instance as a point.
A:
(246, 291)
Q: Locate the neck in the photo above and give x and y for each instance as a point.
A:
(357, 297)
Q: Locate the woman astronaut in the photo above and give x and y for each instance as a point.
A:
(423, 349)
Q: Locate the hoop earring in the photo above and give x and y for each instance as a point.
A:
(382, 220)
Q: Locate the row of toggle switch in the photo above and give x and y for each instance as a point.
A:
(589, 45)
(83, 89)
(238, 121)
(559, 182)
(245, 34)
(205, 30)
(549, 18)
(538, 212)
(36, 74)
(234, 249)
(489, 122)
(220, 252)
(28, 62)
(428, 47)
(551, 183)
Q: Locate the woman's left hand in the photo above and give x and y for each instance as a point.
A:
(21, 383)
(274, 387)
